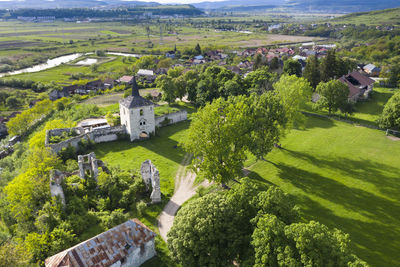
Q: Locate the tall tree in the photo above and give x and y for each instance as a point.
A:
(329, 66)
(197, 49)
(210, 232)
(300, 244)
(333, 95)
(390, 117)
(260, 81)
(274, 64)
(292, 67)
(222, 132)
(312, 72)
(293, 93)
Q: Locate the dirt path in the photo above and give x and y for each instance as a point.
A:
(184, 189)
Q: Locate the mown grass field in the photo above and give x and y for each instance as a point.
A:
(346, 177)
(367, 112)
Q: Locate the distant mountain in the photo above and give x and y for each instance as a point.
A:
(12, 4)
(336, 6)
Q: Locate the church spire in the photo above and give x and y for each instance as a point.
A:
(135, 89)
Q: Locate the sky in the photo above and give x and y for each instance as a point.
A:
(180, 1)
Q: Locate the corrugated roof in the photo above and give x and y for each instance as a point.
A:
(106, 248)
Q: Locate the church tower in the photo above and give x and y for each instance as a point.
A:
(137, 114)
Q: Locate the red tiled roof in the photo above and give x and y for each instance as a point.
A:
(125, 79)
(106, 248)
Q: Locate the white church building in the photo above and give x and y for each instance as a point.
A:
(137, 114)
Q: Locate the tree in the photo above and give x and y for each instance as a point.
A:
(258, 62)
(274, 64)
(197, 49)
(166, 84)
(293, 92)
(259, 81)
(300, 244)
(222, 132)
(216, 229)
(12, 102)
(311, 71)
(329, 66)
(164, 63)
(333, 95)
(390, 117)
(209, 232)
(292, 67)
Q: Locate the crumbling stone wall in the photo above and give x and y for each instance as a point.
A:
(172, 118)
(151, 176)
(56, 190)
(98, 136)
(89, 163)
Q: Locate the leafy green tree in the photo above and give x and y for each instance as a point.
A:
(167, 86)
(390, 117)
(294, 93)
(333, 95)
(259, 81)
(329, 66)
(234, 126)
(300, 244)
(197, 49)
(209, 232)
(292, 67)
(258, 62)
(312, 72)
(274, 64)
(12, 102)
(3, 96)
(191, 79)
(12, 254)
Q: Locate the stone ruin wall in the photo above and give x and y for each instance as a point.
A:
(104, 134)
(97, 135)
(151, 176)
(172, 117)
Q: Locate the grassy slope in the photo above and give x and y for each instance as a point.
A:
(367, 112)
(346, 177)
(386, 16)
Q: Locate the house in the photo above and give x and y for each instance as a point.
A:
(108, 83)
(199, 57)
(170, 54)
(128, 244)
(360, 86)
(156, 95)
(137, 114)
(146, 75)
(372, 70)
(65, 92)
(125, 79)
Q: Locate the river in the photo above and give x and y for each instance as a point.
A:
(51, 63)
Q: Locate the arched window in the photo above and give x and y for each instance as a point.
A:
(141, 112)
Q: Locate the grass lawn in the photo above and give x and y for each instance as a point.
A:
(367, 112)
(160, 150)
(346, 177)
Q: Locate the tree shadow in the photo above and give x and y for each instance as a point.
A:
(317, 122)
(370, 239)
(386, 178)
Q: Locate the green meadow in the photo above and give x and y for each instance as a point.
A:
(344, 176)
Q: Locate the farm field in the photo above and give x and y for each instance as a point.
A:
(379, 17)
(345, 177)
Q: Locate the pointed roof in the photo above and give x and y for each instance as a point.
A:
(135, 100)
(106, 248)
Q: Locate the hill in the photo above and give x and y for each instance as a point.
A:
(9, 4)
(318, 6)
(379, 17)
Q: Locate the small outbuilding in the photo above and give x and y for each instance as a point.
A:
(128, 244)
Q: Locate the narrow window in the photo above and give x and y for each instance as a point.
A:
(141, 112)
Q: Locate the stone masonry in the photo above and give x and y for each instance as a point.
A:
(151, 176)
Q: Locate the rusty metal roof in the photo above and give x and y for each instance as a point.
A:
(106, 248)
